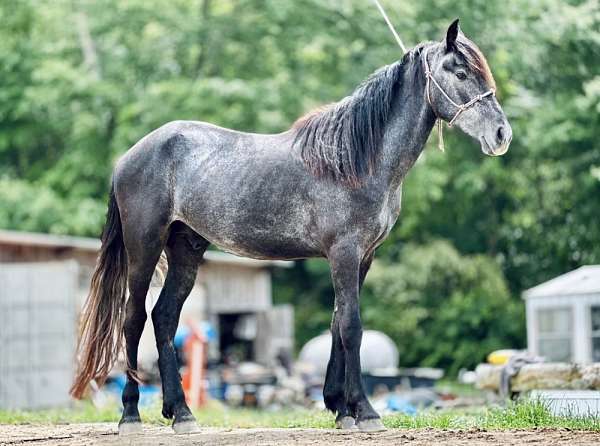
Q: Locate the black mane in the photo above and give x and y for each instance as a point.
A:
(343, 140)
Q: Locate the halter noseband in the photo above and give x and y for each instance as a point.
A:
(460, 107)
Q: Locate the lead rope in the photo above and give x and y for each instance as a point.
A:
(439, 122)
(390, 26)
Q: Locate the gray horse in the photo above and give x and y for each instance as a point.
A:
(328, 187)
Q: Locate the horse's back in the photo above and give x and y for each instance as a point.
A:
(246, 193)
(175, 145)
(144, 177)
(233, 188)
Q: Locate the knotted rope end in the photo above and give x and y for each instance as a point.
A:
(440, 129)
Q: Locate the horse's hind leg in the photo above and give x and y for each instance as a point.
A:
(184, 252)
(143, 255)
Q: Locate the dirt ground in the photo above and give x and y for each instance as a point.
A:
(106, 434)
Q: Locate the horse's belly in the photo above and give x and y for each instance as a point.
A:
(269, 252)
(259, 243)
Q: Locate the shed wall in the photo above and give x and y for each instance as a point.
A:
(37, 333)
(580, 306)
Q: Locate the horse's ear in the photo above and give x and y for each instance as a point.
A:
(451, 36)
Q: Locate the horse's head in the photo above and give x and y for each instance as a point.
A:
(461, 91)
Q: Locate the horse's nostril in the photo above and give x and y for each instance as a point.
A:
(500, 134)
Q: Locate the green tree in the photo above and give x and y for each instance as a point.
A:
(80, 82)
(442, 309)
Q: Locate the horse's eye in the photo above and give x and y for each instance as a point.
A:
(461, 75)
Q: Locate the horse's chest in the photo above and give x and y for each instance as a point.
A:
(387, 217)
(384, 227)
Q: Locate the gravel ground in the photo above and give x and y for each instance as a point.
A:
(106, 434)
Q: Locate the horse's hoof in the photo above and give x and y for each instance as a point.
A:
(131, 428)
(186, 427)
(346, 423)
(372, 425)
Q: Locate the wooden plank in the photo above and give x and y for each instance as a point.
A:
(235, 289)
(553, 375)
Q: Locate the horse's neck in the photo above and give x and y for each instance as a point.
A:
(408, 128)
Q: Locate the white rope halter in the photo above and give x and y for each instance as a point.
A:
(460, 108)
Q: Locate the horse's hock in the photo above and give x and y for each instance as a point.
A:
(37, 333)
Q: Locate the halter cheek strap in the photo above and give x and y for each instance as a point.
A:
(460, 108)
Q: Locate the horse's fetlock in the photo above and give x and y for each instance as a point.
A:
(364, 410)
(333, 401)
(353, 397)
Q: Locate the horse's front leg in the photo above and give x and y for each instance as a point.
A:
(346, 265)
(334, 389)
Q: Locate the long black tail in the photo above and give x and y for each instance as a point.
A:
(103, 315)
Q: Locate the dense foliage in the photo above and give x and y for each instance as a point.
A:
(447, 308)
(81, 81)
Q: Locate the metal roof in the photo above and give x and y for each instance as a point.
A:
(584, 280)
(92, 244)
(48, 240)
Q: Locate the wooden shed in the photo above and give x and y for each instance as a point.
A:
(232, 293)
(563, 317)
(38, 317)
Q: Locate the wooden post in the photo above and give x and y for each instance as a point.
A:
(194, 376)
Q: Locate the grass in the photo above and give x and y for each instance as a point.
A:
(214, 415)
(522, 415)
